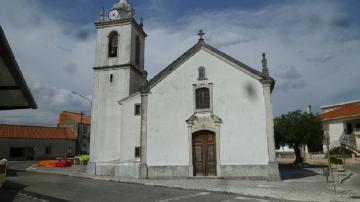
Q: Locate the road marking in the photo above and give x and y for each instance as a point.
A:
(254, 199)
(185, 197)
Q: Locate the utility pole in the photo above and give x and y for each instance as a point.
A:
(80, 130)
(327, 139)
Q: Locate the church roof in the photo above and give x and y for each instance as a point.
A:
(202, 44)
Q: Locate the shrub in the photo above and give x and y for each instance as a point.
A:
(334, 160)
(340, 151)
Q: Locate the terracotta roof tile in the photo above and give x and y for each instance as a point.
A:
(35, 132)
(64, 116)
(344, 111)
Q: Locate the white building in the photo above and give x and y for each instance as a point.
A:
(341, 124)
(206, 114)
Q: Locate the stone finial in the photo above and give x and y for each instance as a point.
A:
(201, 34)
(102, 15)
(145, 88)
(265, 69)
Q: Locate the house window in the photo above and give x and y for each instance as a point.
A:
(48, 150)
(137, 152)
(357, 126)
(202, 98)
(113, 44)
(349, 128)
(137, 50)
(137, 109)
(84, 128)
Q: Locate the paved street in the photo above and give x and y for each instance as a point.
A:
(35, 187)
(354, 180)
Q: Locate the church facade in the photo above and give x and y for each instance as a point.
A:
(206, 114)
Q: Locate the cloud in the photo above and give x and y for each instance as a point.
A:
(341, 21)
(311, 48)
(71, 68)
(51, 102)
(83, 34)
(311, 54)
(288, 78)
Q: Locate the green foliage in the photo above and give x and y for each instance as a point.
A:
(334, 160)
(297, 128)
(340, 151)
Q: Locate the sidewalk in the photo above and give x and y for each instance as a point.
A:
(298, 184)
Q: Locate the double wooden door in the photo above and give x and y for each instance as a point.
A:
(204, 154)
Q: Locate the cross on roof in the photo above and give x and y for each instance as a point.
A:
(201, 34)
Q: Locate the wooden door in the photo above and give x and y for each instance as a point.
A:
(204, 154)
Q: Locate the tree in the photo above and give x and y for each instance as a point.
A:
(297, 128)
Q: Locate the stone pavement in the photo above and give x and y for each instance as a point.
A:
(298, 184)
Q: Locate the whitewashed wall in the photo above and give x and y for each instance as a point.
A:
(130, 135)
(238, 100)
(336, 129)
(125, 39)
(106, 113)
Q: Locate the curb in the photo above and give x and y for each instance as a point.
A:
(345, 177)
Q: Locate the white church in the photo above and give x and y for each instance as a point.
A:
(206, 114)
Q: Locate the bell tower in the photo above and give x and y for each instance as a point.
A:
(118, 73)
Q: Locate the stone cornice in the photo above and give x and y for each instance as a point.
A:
(122, 66)
(111, 23)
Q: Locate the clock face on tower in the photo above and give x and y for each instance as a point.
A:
(114, 15)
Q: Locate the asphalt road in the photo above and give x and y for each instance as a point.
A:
(24, 186)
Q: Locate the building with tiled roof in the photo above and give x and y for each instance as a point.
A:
(79, 124)
(77, 117)
(21, 142)
(342, 124)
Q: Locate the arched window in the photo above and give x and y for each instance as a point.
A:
(137, 50)
(113, 44)
(202, 73)
(202, 98)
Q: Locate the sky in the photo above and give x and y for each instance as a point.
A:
(312, 47)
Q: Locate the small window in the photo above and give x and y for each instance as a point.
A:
(137, 109)
(202, 98)
(69, 151)
(113, 44)
(202, 73)
(48, 150)
(17, 152)
(137, 152)
(84, 128)
(349, 128)
(137, 50)
(111, 78)
(357, 126)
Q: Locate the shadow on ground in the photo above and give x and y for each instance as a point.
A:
(12, 191)
(293, 171)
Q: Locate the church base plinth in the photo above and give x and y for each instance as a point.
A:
(166, 172)
(261, 172)
(116, 169)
